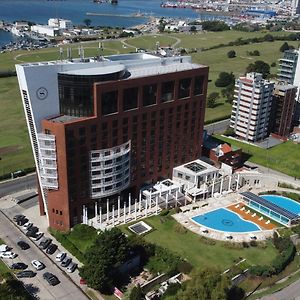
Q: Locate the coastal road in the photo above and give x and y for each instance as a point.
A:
(18, 184)
(218, 127)
(37, 285)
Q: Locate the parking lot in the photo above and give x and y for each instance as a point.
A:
(37, 286)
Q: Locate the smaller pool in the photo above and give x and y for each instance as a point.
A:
(284, 202)
(225, 220)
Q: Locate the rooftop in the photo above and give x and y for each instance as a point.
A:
(196, 167)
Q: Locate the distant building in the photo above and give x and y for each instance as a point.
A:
(283, 109)
(251, 107)
(222, 153)
(60, 23)
(288, 66)
(45, 30)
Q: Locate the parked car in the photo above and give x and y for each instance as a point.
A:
(16, 218)
(37, 264)
(51, 249)
(32, 231)
(51, 278)
(37, 236)
(18, 266)
(23, 245)
(26, 274)
(27, 225)
(60, 256)
(8, 254)
(71, 267)
(45, 243)
(21, 222)
(66, 261)
(4, 248)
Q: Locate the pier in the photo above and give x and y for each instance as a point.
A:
(134, 15)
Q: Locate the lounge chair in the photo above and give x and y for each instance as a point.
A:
(253, 215)
(268, 222)
(243, 208)
(237, 206)
(260, 218)
(248, 212)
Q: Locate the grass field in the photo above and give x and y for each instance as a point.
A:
(15, 151)
(284, 158)
(189, 246)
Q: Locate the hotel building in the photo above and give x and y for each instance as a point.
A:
(101, 128)
(251, 107)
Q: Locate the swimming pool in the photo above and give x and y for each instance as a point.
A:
(284, 202)
(225, 220)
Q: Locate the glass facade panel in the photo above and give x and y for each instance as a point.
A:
(167, 91)
(130, 98)
(184, 88)
(109, 102)
(149, 94)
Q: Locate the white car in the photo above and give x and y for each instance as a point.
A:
(37, 264)
(8, 254)
(27, 225)
(60, 256)
(37, 236)
(4, 248)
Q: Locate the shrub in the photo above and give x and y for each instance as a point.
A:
(184, 267)
(253, 243)
(245, 245)
(164, 212)
(231, 54)
(177, 210)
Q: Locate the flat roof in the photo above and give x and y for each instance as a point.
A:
(63, 118)
(261, 201)
(195, 167)
(100, 70)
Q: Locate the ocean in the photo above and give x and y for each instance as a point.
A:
(39, 11)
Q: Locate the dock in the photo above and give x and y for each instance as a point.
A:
(134, 15)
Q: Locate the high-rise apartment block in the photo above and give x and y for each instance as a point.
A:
(283, 109)
(288, 66)
(100, 128)
(251, 107)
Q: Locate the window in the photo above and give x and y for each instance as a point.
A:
(180, 175)
(184, 88)
(198, 86)
(94, 128)
(149, 94)
(167, 91)
(130, 99)
(109, 102)
(82, 131)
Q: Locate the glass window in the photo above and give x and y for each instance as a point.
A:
(109, 102)
(184, 88)
(198, 86)
(130, 98)
(149, 94)
(167, 91)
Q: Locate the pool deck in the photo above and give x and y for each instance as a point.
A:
(264, 223)
(210, 204)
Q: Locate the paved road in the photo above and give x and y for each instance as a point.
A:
(292, 292)
(218, 127)
(18, 184)
(65, 290)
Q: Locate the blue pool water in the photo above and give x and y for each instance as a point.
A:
(284, 202)
(224, 220)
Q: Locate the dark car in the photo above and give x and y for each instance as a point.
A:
(17, 218)
(19, 266)
(51, 278)
(51, 249)
(26, 274)
(21, 222)
(66, 262)
(44, 244)
(32, 231)
(23, 245)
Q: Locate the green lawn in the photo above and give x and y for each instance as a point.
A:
(200, 254)
(284, 158)
(150, 41)
(15, 150)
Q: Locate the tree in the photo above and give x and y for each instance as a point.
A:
(102, 259)
(87, 22)
(136, 293)
(228, 93)
(285, 46)
(231, 54)
(225, 79)
(211, 99)
(259, 67)
(269, 38)
(205, 284)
